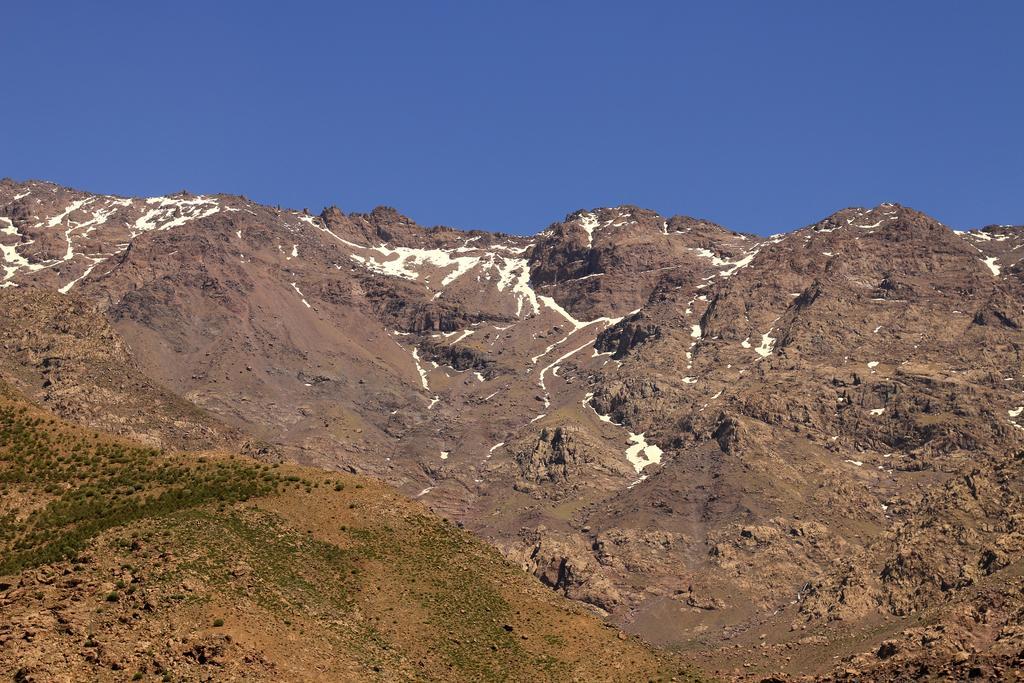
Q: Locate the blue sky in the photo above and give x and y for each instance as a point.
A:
(763, 116)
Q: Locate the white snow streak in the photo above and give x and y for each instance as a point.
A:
(419, 368)
(588, 222)
(992, 263)
(301, 295)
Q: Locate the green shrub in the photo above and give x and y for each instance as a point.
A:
(99, 484)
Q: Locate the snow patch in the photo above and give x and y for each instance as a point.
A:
(992, 263)
(588, 222)
(641, 454)
(767, 344)
(400, 262)
(736, 265)
(516, 273)
(13, 261)
(172, 212)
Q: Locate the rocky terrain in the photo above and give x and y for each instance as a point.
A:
(787, 456)
(124, 562)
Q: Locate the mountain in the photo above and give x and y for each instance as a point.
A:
(783, 456)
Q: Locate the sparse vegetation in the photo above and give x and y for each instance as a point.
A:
(91, 483)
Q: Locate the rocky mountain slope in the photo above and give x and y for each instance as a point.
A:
(771, 452)
(123, 562)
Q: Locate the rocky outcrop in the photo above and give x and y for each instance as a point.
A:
(626, 334)
(608, 262)
(566, 565)
(460, 357)
(404, 307)
(557, 457)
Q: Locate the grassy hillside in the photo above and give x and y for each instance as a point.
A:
(119, 562)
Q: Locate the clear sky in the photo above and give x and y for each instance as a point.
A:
(762, 116)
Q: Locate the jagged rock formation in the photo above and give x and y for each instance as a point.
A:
(561, 459)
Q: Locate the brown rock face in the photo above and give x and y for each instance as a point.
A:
(558, 457)
(567, 566)
(711, 436)
(609, 261)
(61, 351)
(626, 334)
